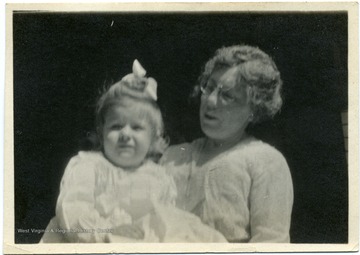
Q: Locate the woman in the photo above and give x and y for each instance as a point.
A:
(235, 183)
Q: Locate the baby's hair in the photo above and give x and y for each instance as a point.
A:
(256, 70)
(133, 95)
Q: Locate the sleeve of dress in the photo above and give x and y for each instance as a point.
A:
(75, 208)
(167, 156)
(161, 184)
(271, 199)
(176, 155)
(168, 193)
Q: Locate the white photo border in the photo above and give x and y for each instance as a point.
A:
(353, 241)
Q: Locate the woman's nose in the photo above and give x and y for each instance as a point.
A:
(212, 99)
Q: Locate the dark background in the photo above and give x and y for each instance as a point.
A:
(62, 61)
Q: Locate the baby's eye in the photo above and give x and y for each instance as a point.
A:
(137, 127)
(116, 127)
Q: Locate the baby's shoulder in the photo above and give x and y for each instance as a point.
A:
(150, 165)
(87, 160)
(89, 157)
(153, 171)
(84, 165)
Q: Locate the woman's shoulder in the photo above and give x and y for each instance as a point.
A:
(180, 153)
(260, 149)
(254, 156)
(185, 147)
(263, 157)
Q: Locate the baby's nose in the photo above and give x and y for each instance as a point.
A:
(125, 133)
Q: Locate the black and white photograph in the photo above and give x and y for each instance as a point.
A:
(188, 127)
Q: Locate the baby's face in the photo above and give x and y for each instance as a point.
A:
(126, 137)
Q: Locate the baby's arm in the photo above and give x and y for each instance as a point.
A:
(129, 230)
(122, 225)
(75, 207)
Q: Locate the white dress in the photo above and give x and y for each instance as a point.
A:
(245, 193)
(96, 196)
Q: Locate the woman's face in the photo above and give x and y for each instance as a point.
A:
(224, 110)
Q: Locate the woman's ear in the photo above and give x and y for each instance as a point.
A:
(249, 93)
(251, 117)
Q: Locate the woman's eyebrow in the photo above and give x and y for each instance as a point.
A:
(228, 87)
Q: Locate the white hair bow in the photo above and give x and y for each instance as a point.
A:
(139, 72)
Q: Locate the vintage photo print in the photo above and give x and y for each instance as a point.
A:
(181, 128)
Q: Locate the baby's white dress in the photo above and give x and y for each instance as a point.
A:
(245, 193)
(96, 196)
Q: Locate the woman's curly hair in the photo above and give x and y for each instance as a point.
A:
(256, 70)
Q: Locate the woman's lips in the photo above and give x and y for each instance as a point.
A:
(209, 116)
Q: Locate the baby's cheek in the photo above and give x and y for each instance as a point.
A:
(112, 136)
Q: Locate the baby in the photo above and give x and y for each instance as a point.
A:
(117, 193)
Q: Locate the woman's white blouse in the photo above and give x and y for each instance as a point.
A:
(93, 193)
(245, 193)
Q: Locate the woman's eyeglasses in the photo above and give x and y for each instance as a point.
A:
(224, 95)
